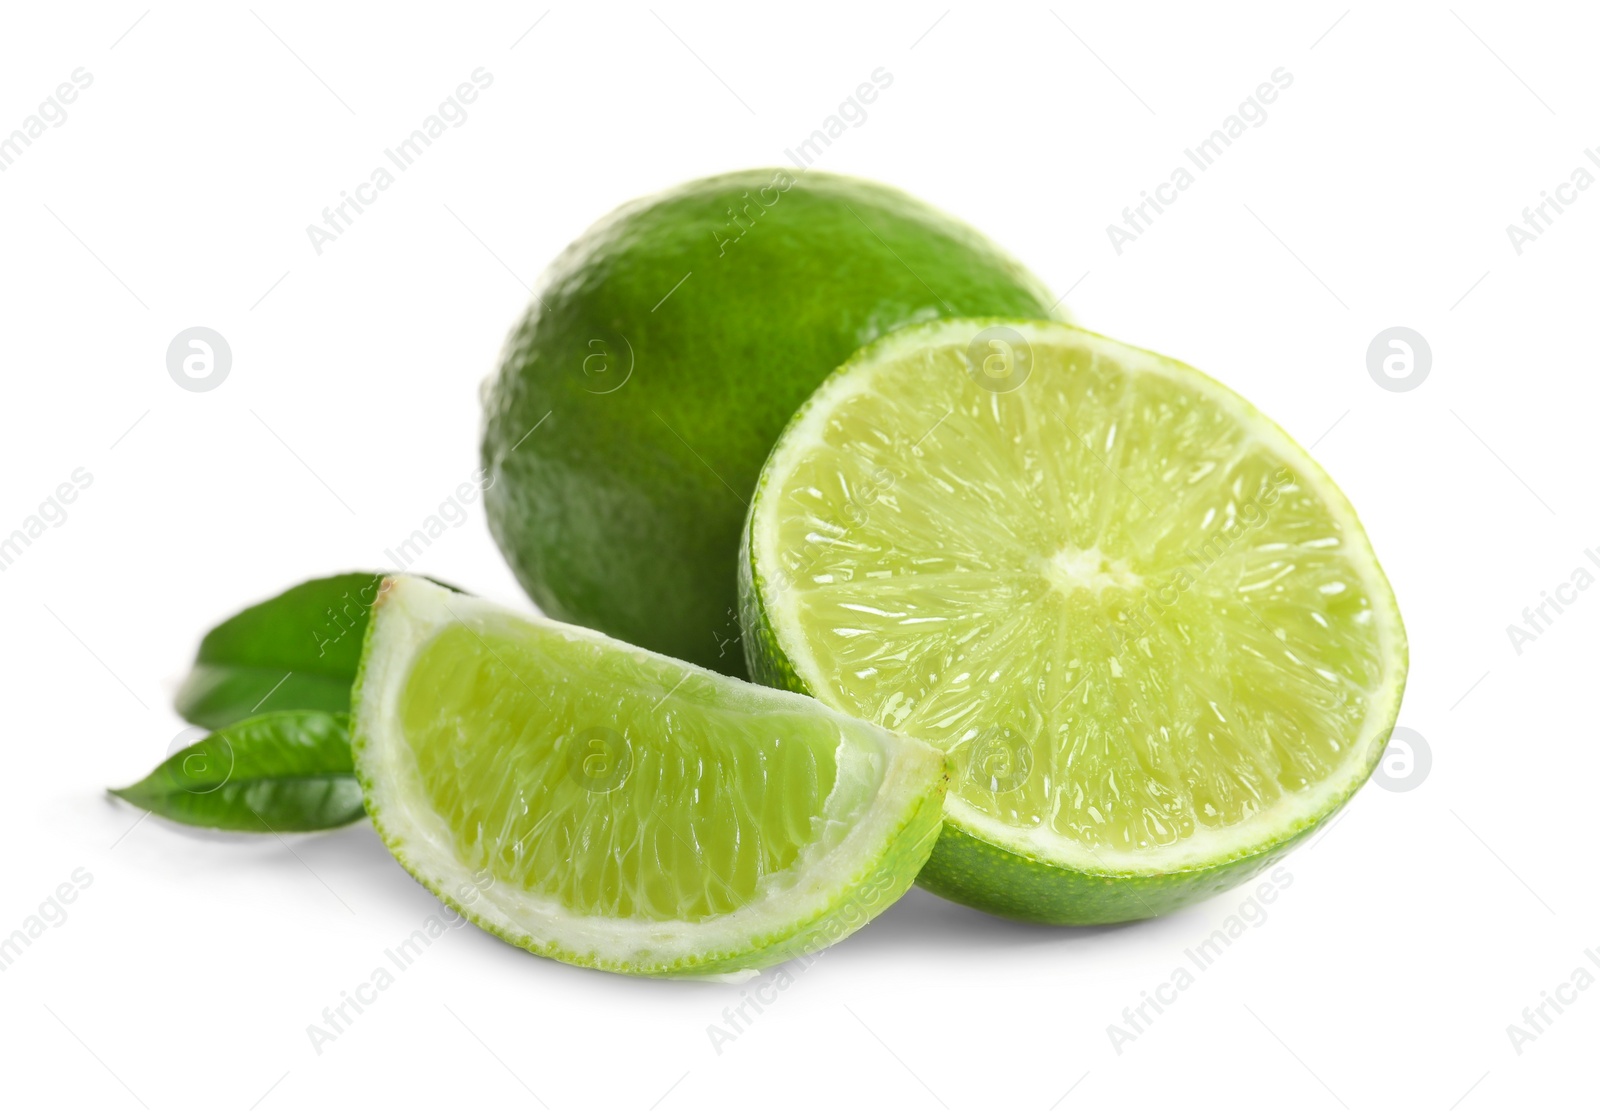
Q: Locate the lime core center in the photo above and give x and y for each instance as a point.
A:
(1087, 569)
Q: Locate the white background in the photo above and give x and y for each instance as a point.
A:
(1377, 193)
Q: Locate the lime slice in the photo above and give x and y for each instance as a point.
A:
(602, 805)
(1145, 624)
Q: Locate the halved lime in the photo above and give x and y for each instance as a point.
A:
(1145, 623)
(614, 808)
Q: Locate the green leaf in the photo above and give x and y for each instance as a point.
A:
(278, 772)
(214, 696)
(296, 651)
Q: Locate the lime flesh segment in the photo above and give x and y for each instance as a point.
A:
(615, 808)
(583, 822)
(1147, 627)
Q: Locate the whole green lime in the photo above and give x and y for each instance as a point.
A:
(664, 352)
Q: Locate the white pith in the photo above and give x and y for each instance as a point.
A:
(1206, 846)
(410, 611)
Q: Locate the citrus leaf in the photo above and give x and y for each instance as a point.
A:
(296, 651)
(214, 696)
(276, 772)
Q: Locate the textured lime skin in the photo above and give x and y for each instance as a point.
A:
(976, 872)
(667, 348)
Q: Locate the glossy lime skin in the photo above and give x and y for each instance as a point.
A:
(665, 351)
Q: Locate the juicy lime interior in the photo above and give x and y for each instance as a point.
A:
(1125, 602)
(622, 785)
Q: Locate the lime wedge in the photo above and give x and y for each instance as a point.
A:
(618, 809)
(1145, 624)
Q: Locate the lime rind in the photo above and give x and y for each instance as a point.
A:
(984, 875)
(835, 889)
(1036, 873)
